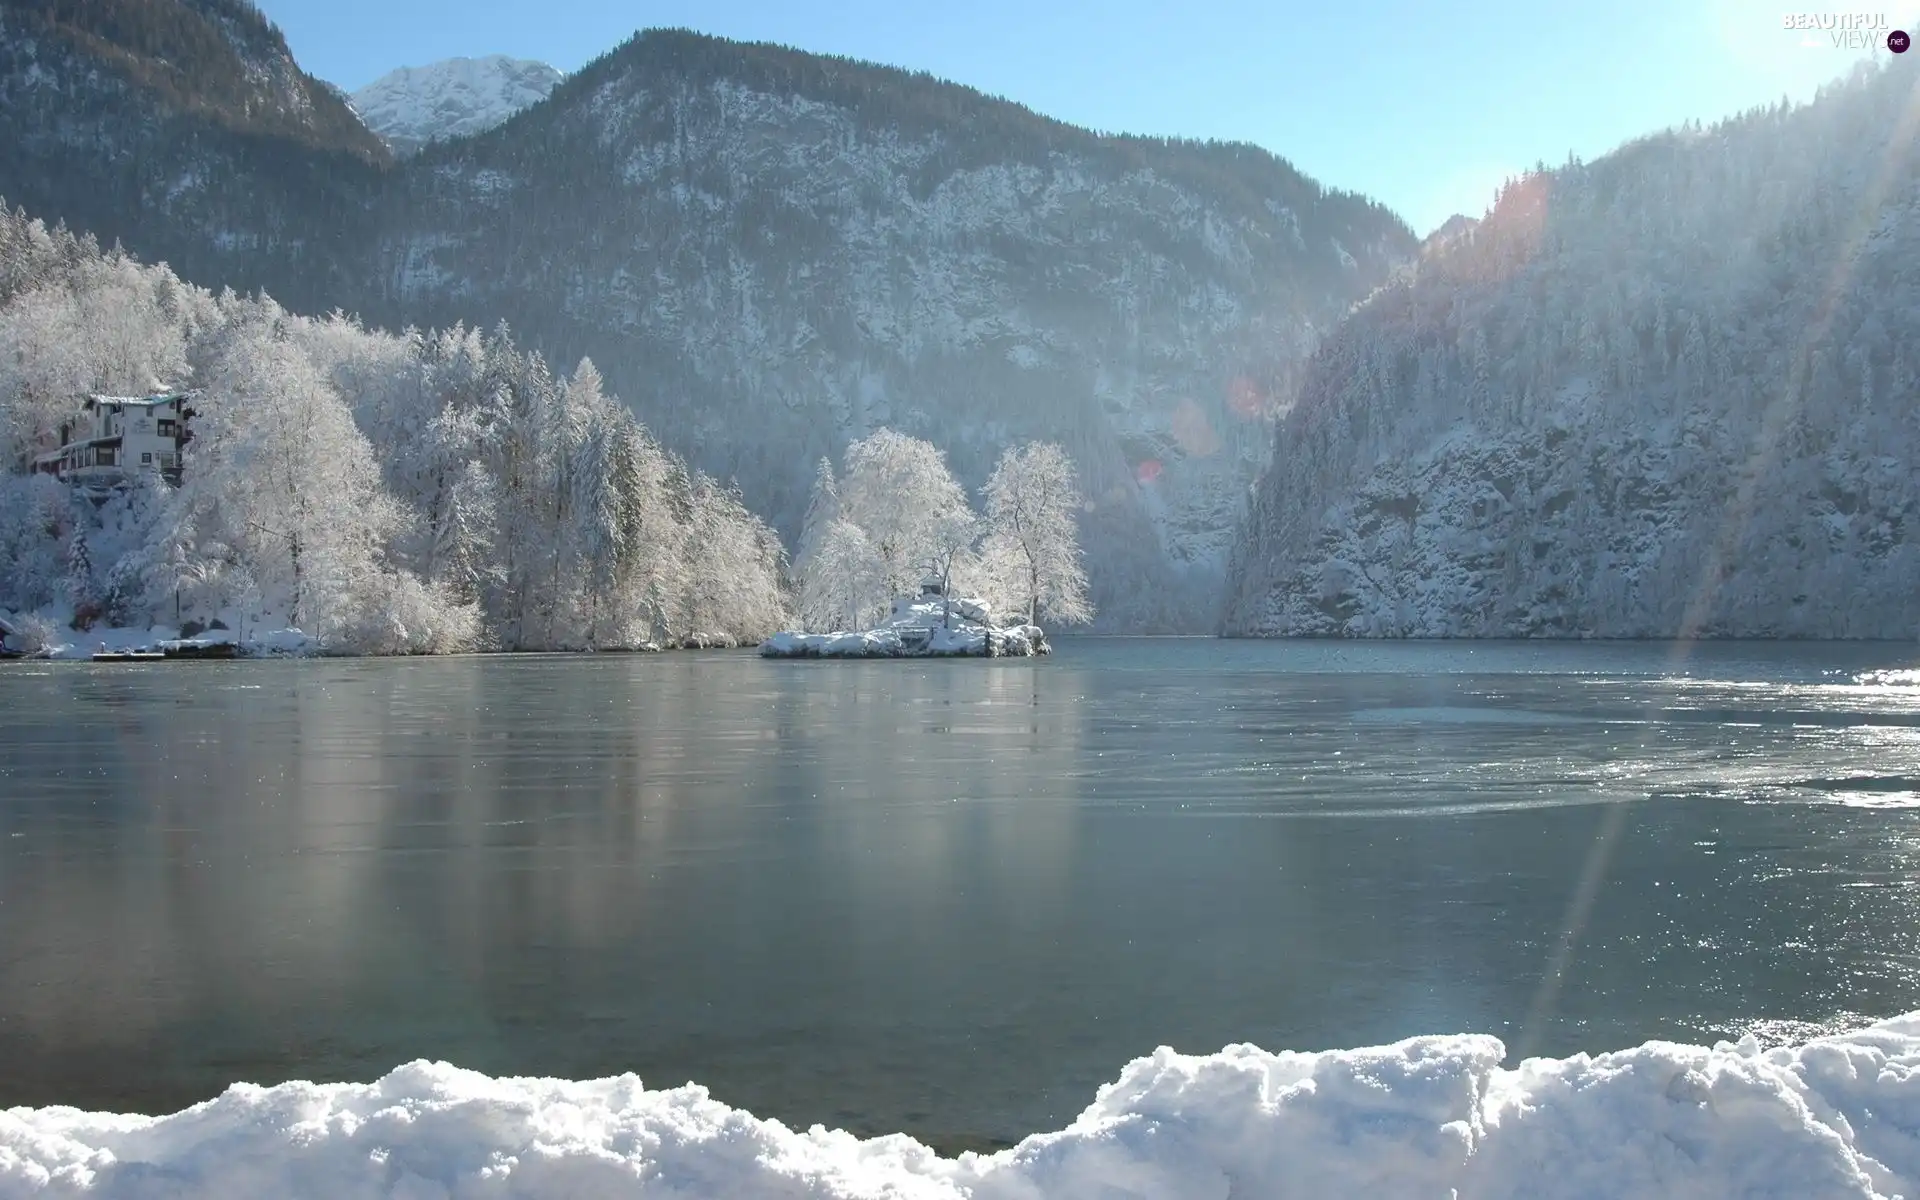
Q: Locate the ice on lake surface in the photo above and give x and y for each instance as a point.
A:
(946, 898)
(1466, 716)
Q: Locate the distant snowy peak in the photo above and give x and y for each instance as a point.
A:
(1455, 228)
(461, 96)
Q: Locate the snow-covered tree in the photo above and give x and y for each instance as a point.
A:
(735, 574)
(80, 581)
(949, 540)
(393, 494)
(897, 515)
(843, 585)
(823, 509)
(899, 491)
(1033, 504)
(282, 466)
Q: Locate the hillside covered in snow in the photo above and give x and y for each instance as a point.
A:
(422, 493)
(770, 253)
(456, 98)
(1668, 393)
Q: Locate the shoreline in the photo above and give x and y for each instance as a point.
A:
(243, 655)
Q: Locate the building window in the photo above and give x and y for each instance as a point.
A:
(166, 429)
(146, 459)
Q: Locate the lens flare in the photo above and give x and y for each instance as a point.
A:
(1246, 399)
(1193, 431)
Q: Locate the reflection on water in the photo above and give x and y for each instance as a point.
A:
(950, 898)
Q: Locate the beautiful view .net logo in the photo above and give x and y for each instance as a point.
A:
(1847, 31)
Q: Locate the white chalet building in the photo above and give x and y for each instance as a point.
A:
(117, 436)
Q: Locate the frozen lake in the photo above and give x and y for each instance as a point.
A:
(945, 898)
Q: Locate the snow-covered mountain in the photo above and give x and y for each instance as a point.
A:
(771, 253)
(774, 253)
(1670, 392)
(455, 98)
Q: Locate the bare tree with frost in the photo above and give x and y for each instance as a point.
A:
(842, 585)
(899, 490)
(1033, 504)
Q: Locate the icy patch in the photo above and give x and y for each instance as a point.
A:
(1886, 800)
(1429, 1117)
(1846, 791)
(1444, 714)
(1908, 678)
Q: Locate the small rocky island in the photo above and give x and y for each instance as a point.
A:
(930, 625)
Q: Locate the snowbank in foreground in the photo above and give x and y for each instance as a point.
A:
(1430, 1117)
(918, 629)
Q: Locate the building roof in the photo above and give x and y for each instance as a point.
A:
(152, 401)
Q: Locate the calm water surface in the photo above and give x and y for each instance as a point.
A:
(950, 898)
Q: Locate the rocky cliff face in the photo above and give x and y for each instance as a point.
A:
(1668, 393)
(770, 253)
(456, 98)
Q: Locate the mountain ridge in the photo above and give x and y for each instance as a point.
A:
(769, 253)
(186, 51)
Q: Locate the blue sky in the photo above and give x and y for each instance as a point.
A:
(1423, 106)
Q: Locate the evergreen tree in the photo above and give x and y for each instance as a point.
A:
(80, 582)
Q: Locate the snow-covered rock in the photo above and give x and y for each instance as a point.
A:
(280, 643)
(1838, 1117)
(919, 629)
(455, 98)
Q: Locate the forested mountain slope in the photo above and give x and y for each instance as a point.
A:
(185, 129)
(220, 60)
(1669, 392)
(770, 253)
